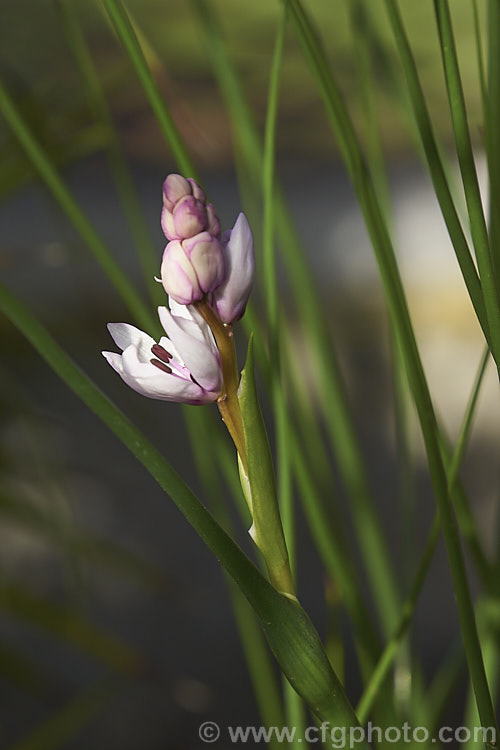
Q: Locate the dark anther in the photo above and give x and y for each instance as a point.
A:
(161, 353)
(161, 365)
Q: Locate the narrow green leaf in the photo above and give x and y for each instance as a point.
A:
(468, 171)
(488, 620)
(295, 715)
(465, 517)
(337, 562)
(480, 60)
(259, 486)
(436, 169)
(257, 658)
(493, 126)
(443, 687)
(125, 31)
(68, 204)
(364, 44)
(259, 666)
(390, 651)
(453, 468)
(394, 293)
(268, 167)
(466, 426)
(148, 256)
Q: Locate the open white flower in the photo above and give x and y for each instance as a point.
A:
(183, 366)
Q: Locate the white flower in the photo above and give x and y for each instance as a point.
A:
(183, 366)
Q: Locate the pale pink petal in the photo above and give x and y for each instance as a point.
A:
(123, 334)
(152, 382)
(213, 221)
(231, 296)
(197, 190)
(178, 275)
(196, 346)
(181, 311)
(174, 188)
(205, 254)
(168, 225)
(190, 217)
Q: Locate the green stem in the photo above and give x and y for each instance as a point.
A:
(227, 402)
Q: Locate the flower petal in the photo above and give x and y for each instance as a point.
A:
(123, 334)
(152, 382)
(167, 224)
(205, 254)
(232, 295)
(174, 188)
(194, 341)
(178, 275)
(181, 311)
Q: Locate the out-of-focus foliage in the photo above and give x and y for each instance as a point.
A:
(35, 60)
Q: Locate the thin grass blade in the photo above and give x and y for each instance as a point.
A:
(126, 33)
(68, 204)
(396, 301)
(468, 171)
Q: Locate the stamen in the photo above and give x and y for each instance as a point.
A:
(161, 365)
(160, 352)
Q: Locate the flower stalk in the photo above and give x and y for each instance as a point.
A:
(227, 402)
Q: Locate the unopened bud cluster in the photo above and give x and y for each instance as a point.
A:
(197, 264)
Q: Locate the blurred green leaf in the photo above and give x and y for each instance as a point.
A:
(396, 300)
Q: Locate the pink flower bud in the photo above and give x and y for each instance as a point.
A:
(192, 268)
(178, 275)
(190, 218)
(185, 212)
(197, 191)
(175, 187)
(205, 253)
(230, 297)
(213, 221)
(167, 224)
